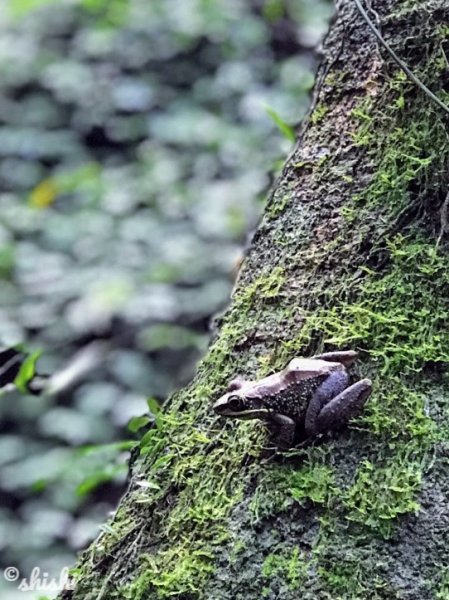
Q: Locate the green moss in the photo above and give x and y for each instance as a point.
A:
(336, 77)
(401, 314)
(179, 570)
(381, 493)
(248, 303)
(281, 486)
(238, 546)
(288, 565)
(405, 141)
(319, 113)
(442, 593)
(203, 475)
(277, 205)
(350, 578)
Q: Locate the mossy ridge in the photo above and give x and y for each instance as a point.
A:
(194, 525)
(249, 304)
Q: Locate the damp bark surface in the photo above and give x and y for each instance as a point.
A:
(351, 254)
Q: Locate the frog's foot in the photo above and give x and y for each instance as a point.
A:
(345, 357)
(285, 429)
(343, 407)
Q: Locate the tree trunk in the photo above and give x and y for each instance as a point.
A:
(351, 253)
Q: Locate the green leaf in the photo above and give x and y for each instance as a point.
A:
(154, 406)
(137, 423)
(27, 371)
(287, 131)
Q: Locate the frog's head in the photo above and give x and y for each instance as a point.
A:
(239, 403)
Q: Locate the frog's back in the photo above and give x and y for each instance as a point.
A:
(293, 399)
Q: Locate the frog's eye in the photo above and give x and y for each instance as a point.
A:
(235, 402)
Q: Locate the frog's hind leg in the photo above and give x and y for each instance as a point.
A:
(344, 406)
(345, 357)
(329, 390)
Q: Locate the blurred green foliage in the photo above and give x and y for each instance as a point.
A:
(136, 148)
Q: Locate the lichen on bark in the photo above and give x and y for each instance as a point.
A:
(351, 253)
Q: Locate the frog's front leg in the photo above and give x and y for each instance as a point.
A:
(333, 404)
(285, 430)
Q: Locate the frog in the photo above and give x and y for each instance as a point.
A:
(310, 397)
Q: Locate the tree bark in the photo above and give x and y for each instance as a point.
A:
(351, 253)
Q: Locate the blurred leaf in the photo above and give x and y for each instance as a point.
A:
(109, 473)
(7, 256)
(151, 441)
(273, 10)
(287, 131)
(43, 194)
(39, 486)
(86, 177)
(27, 371)
(167, 335)
(19, 8)
(111, 12)
(116, 446)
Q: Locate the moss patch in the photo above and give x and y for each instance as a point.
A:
(289, 567)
